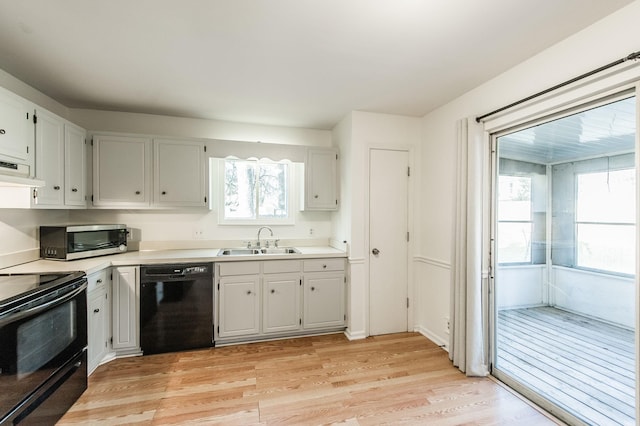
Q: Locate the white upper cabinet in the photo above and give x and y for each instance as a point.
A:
(179, 177)
(75, 166)
(321, 179)
(16, 133)
(138, 172)
(60, 162)
(49, 159)
(121, 171)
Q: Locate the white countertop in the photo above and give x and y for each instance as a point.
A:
(134, 258)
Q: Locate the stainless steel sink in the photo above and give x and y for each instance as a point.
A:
(279, 250)
(257, 251)
(238, 252)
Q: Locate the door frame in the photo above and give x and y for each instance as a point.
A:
(563, 104)
(411, 294)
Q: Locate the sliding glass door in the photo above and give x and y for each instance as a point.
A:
(564, 262)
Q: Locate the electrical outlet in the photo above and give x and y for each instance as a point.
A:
(198, 234)
(448, 325)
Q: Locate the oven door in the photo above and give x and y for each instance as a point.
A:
(39, 339)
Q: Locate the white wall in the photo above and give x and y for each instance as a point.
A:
(362, 131)
(20, 88)
(19, 240)
(521, 286)
(612, 38)
(607, 297)
(111, 121)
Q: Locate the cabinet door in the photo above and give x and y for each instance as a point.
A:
(50, 159)
(281, 306)
(125, 311)
(97, 328)
(121, 171)
(321, 179)
(74, 166)
(323, 300)
(16, 129)
(239, 302)
(179, 173)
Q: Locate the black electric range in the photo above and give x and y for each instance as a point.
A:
(43, 344)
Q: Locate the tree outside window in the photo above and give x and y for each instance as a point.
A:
(256, 190)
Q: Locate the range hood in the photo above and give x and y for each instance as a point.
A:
(16, 188)
(19, 181)
(17, 175)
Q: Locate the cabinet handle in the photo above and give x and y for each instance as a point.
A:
(272, 291)
(324, 266)
(164, 192)
(315, 196)
(2, 132)
(99, 281)
(137, 192)
(96, 310)
(57, 187)
(313, 289)
(74, 189)
(249, 293)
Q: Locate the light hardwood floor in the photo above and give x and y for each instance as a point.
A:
(392, 379)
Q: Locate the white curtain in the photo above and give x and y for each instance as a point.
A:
(468, 345)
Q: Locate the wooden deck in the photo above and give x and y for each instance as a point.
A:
(585, 366)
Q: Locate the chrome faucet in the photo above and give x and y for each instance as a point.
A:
(260, 230)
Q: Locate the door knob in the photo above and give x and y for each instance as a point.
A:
(375, 251)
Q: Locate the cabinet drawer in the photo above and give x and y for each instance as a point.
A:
(97, 281)
(239, 268)
(280, 266)
(320, 265)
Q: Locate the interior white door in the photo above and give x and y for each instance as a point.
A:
(388, 245)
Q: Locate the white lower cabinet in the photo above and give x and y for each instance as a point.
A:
(274, 298)
(126, 295)
(99, 316)
(240, 306)
(323, 300)
(324, 293)
(281, 303)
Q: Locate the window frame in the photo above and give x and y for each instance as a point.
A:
(577, 223)
(292, 194)
(530, 221)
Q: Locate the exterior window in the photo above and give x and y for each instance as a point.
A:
(605, 221)
(256, 191)
(514, 219)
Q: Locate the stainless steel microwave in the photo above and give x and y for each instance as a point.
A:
(81, 241)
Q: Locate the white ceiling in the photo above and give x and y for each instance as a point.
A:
(299, 63)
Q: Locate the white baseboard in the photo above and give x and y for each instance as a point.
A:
(435, 339)
(355, 336)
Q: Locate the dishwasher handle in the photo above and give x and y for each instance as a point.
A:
(173, 272)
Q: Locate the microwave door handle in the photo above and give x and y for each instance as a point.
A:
(39, 308)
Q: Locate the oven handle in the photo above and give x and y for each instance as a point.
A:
(12, 317)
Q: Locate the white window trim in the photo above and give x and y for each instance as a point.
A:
(530, 222)
(577, 223)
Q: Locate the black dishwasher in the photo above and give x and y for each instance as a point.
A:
(176, 307)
